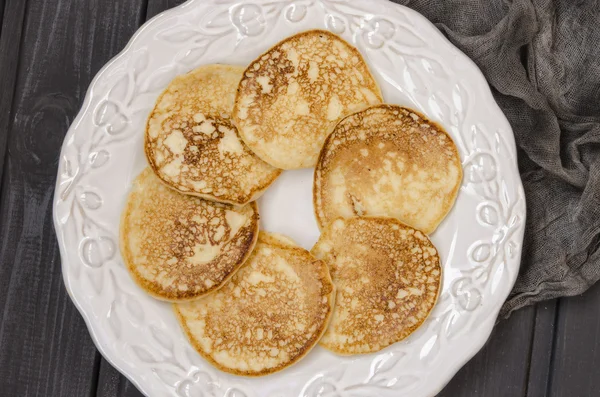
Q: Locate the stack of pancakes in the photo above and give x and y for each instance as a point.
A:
(252, 302)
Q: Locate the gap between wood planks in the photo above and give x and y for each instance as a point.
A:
(540, 354)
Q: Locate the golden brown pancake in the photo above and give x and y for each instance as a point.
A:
(179, 247)
(270, 315)
(291, 97)
(387, 161)
(387, 277)
(192, 144)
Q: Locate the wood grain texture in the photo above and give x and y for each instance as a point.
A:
(500, 368)
(45, 348)
(575, 368)
(155, 7)
(2, 4)
(12, 17)
(111, 383)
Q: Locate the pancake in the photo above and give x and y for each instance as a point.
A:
(179, 247)
(270, 315)
(192, 144)
(387, 161)
(387, 277)
(293, 95)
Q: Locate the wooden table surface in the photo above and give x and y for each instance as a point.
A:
(49, 52)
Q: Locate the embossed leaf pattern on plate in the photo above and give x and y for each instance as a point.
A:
(417, 67)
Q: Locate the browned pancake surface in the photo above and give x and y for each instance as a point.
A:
(179, 247)
(387, 161)
(291, 96)
(387, 277)
(192, 144)
(272, 312)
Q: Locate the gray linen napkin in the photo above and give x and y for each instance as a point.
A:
(542, 61)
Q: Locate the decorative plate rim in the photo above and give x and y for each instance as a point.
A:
(477, 340)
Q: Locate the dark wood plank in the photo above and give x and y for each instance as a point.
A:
(155, 7)
(12, 14)
(2, 4)
(111, 383)
(575, 369)
(541, 349)
(500, 368)
(45, 348)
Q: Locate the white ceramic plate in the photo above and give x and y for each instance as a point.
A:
(480, 241)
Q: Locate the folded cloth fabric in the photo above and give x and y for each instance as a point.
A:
(542, 61)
